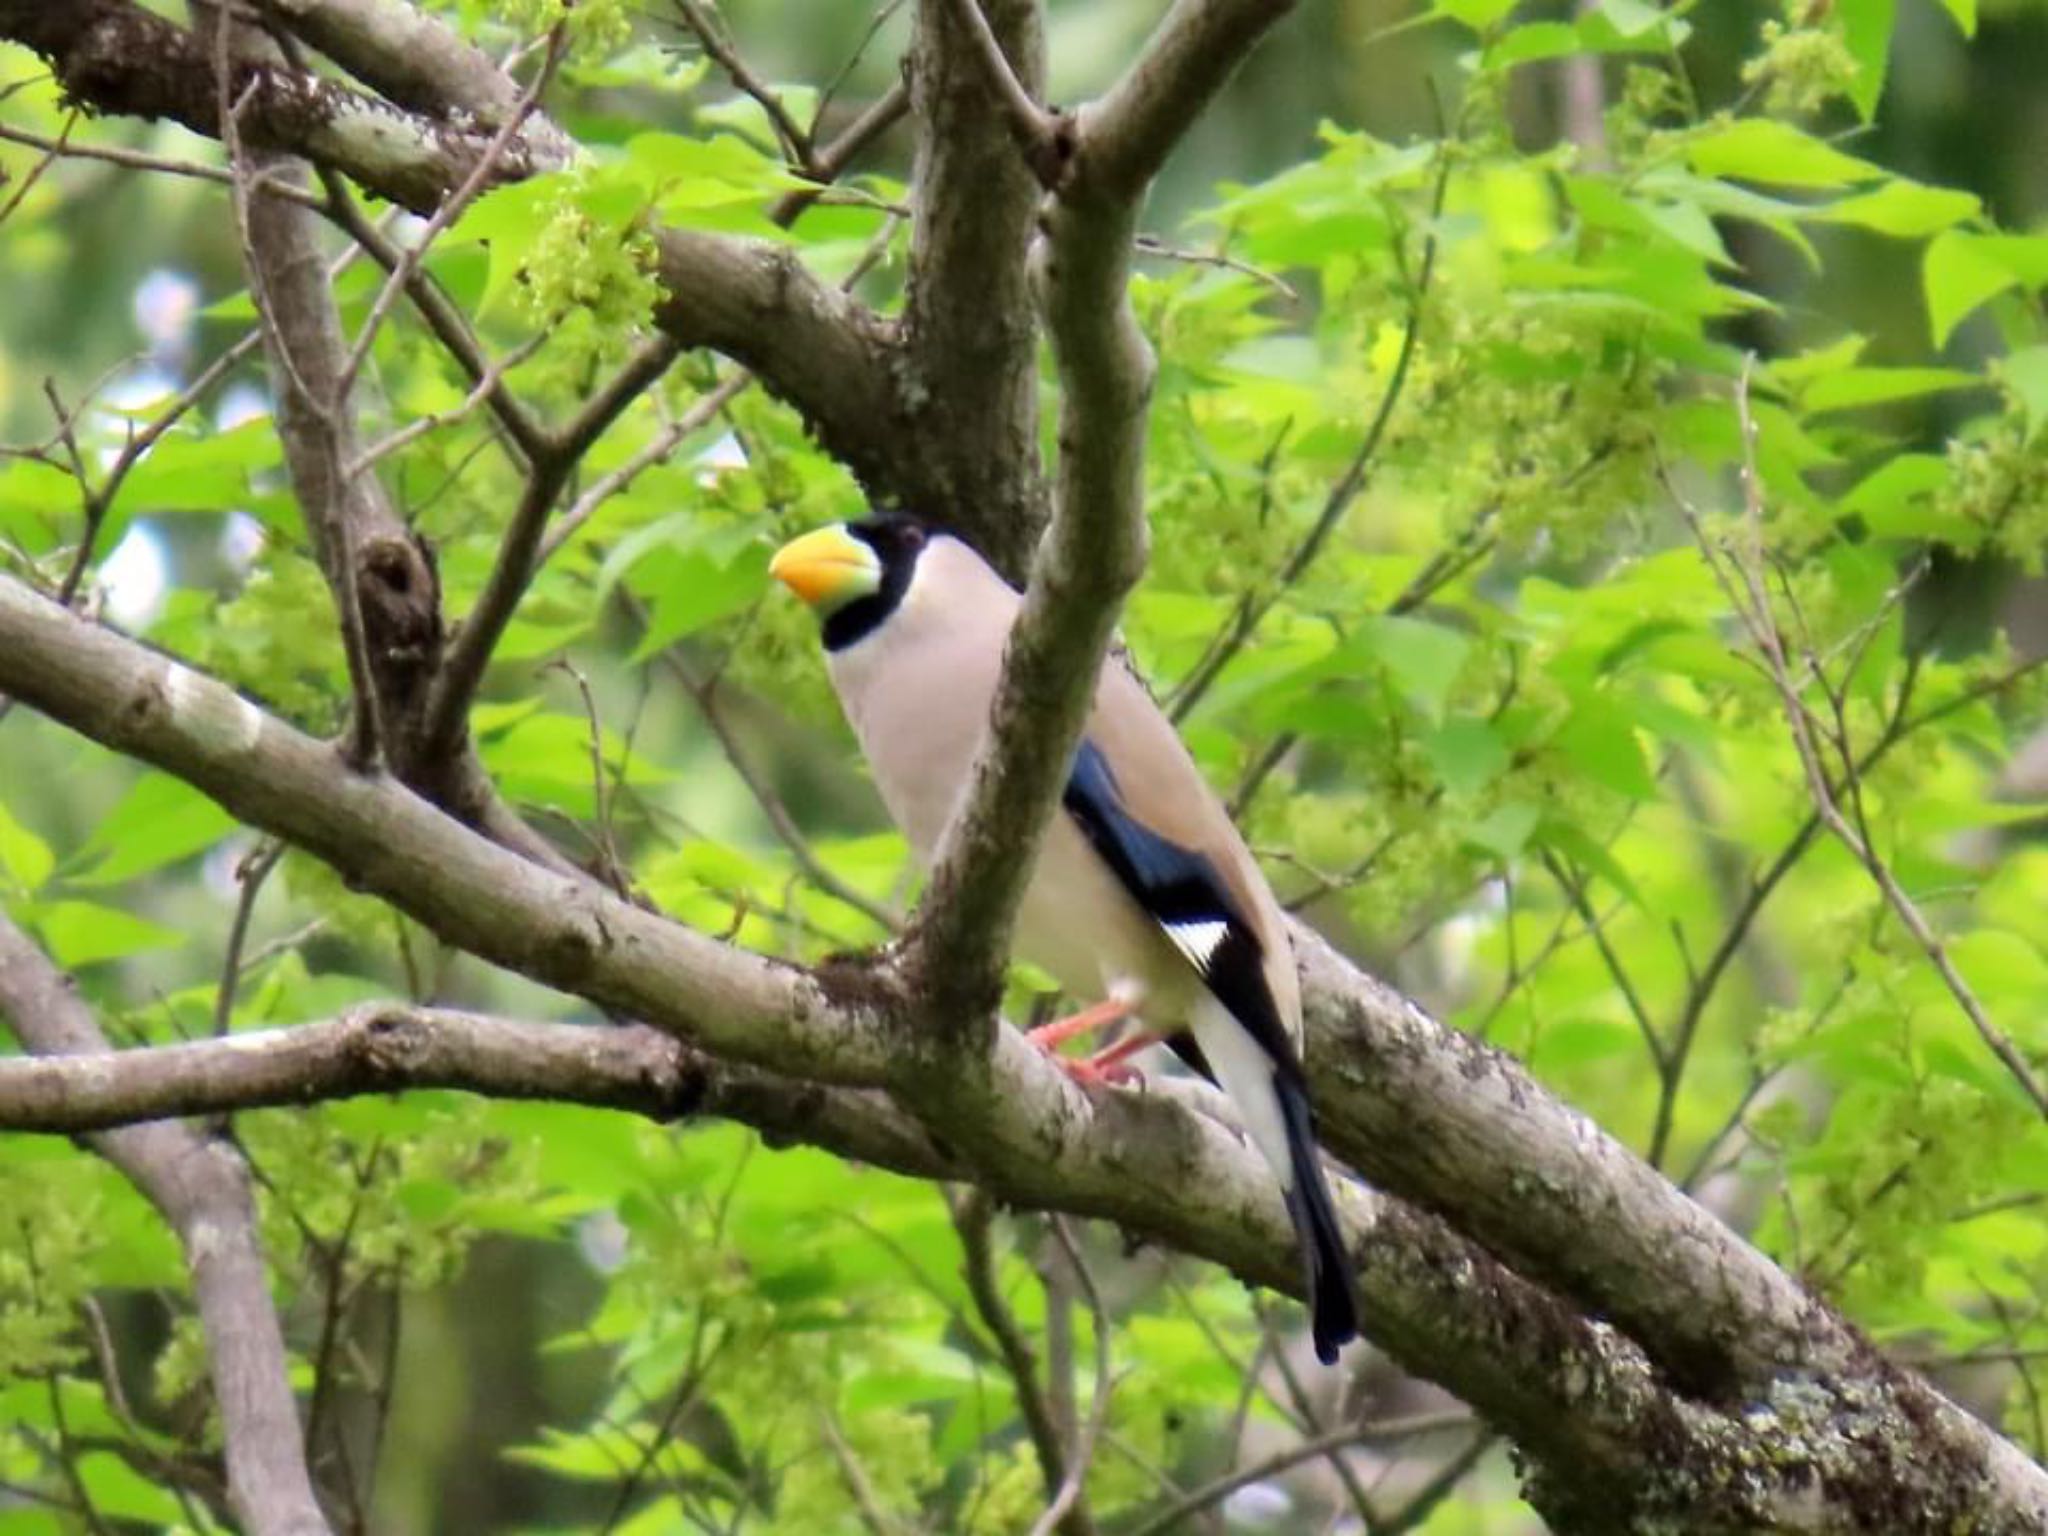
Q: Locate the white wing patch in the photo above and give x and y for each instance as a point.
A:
(1198, 940)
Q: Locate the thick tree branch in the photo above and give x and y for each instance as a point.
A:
(968, 315)
(114, 56)
(1126, 135)
(416, 62)
(201, 1188)
(1832, 1423)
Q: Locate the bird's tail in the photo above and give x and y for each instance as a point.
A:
(1332, 1286)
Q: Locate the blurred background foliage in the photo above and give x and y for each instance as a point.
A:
(1502, 739)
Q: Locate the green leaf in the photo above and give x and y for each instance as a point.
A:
(2025, 373)
(1506, 829)
(159, 821)
(1890, 495)
(509, 220)
(690, 589)
(118, 1491)
(1904, 209)
(1854, 387)
(1424, 659)
(1631, 18)
(1468, 754)
(1776, 154)
(1600, 741)
(1965, 14)
(1867, 30)
(1479, 15)
(1571, 840)
(80, 933)
(1960, 274)
(25, 857)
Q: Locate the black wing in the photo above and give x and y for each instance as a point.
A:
(1188, 898)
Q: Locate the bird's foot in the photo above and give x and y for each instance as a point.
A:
(1085, 1071)
(1110, 1068)
(1087, 1021)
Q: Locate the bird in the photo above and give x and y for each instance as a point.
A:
(1144, 897)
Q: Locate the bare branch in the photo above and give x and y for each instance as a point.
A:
(201, 1188)
(711, 36)
(971, 347)
(121, 58)
(389, 1047)
(831, 162)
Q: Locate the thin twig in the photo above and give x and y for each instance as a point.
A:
(704, 693)
(1071, 1485)
(656, 451)
(796, 142)
(866, 1502)
(454, 205)
(831, 162)
(1326, 1443)
(52, 152)
(612, 869)
(251, 871)
(973, 1218)
(133, 160)
(482, 390)
(1755, 615)
(1252, 610)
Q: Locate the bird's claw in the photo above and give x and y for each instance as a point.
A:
(1090, 1073)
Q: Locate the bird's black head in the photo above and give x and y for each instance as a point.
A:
(853, 574)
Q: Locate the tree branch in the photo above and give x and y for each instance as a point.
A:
(117, 57)
(201, 1188)
(1094, 551)
(1124, 138)
(968, 325)
(1588, 1407)
(418, 63)
(389, 1047)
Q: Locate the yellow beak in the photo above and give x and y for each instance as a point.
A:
(828, 568)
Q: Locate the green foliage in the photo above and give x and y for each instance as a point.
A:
(1533, 766)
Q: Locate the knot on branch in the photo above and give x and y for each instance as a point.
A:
(1050, 152)
(399, 586)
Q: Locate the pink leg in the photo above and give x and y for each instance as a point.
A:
(1108, 1066)
(1100, 1016)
